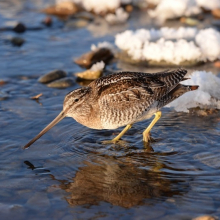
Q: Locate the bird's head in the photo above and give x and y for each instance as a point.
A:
(74, 100)
(73, 105)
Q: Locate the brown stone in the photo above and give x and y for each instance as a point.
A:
(92, 57)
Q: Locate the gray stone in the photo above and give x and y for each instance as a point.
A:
(52, 76)
(61, 83)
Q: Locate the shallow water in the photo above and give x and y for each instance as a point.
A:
(69, 173)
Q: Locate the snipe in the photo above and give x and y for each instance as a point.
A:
(122, 99)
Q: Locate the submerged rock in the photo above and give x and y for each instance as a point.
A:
(17, 41)
(51, 76)
(92, 57)
(61, 83)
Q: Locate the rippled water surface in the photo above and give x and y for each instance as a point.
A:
(69, 173)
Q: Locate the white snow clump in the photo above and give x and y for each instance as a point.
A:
(99, 66)
(206, 96)
(156, 45)
(171, 52)
(209, 5)
(167, 9)
(119, 17)
(209, 42)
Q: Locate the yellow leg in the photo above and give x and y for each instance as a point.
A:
(146, 136)
(121, 134)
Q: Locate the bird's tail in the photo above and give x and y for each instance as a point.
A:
(176, 93)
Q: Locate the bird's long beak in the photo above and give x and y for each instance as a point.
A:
(52, 124)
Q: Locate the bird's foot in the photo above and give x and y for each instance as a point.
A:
(118, 142)
(146, 140)
(109, 142)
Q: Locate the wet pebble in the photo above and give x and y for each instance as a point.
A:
(51, 76)
(84, 15)
(79, 23)
(189, 21)
(88, 59)
(19, 28)
(61, 83)
(205, 217)
(47, 21)
(17, 41)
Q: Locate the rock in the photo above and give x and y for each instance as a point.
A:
(47, 21)
(51, 76)
(17, 41)
(100, 54)
(19, 28)
(2, 82)
(94, 73)
(189, 21)
(205, 217)
(129, 8)
(61, 83)
(62, 9)
(84, 15)
(89, 74)
(78, 23)
(216, 13)
(217, 64)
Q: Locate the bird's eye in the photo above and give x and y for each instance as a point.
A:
(76, 100)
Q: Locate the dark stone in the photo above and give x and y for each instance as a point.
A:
(19, 28)
(51, 76)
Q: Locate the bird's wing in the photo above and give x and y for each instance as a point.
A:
(121, 97)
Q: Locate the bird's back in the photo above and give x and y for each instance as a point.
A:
(127, 97)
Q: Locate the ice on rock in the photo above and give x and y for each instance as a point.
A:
(209, 42)
(171, 52)
(101, 6)
(103, 44)
(156, 45)
(206, 96)
(99, 66)
(167, 9)
(181, 32)
(209, 5)
(119, 17)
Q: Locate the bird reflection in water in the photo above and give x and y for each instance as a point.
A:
(120, 182)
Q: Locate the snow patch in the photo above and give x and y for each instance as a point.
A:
(206, 96)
